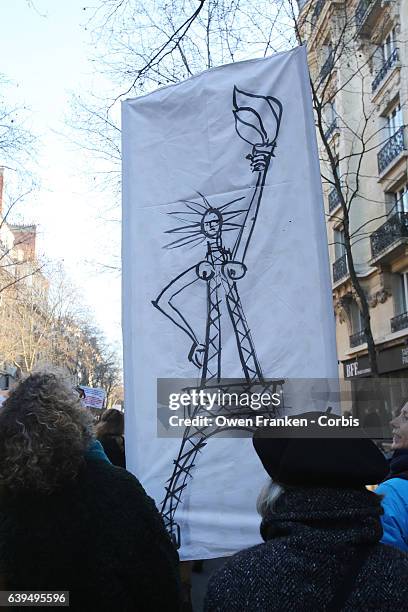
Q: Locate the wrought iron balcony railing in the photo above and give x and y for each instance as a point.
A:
(331, 129)
(317, 10)
(362, 11)
(393, 147)
(391, 231)
(327, 66)
(386, 67)
(399, 322)
(357, 338)
(334, 199)
(340, 268)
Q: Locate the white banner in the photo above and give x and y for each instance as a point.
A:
(225, 273)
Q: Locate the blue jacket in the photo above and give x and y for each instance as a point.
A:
(395, 502)
(95, 451)
(395, 517)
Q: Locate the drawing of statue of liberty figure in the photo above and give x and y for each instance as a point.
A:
(257, 121)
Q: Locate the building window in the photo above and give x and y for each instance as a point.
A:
(400, 293)
(327, 49)
(330, 112)
(356, 318)
(394, 120)
(357, 326)
(400, 198)
(401, 302)
(388, 46)
(328, 56)
(339, 243)
(336, 169)
(385, 57)
(330, 117)
(393, 138)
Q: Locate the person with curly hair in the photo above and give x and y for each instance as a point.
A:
(71, 521)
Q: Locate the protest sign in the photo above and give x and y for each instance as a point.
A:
(225, 275)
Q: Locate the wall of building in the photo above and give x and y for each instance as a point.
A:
(360, 109)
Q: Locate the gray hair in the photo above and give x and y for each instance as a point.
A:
(268, 497)
(44, 434)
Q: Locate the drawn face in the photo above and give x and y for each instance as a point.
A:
(400, 429)
(211, 223)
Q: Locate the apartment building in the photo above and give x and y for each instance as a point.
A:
(358, 59)
(19, 277)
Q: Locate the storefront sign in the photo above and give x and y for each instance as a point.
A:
(388, 360)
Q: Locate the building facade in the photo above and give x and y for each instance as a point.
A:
(358, 59)
(20, 276)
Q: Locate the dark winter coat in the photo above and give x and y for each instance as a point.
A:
(100, 537)
(114, 448)
(311, 540)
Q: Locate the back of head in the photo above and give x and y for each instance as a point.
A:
(44, 433)
(112, 423)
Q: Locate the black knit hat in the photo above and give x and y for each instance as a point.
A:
(334, 462)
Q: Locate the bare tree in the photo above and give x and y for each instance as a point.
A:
(17, 150)
(144, 45)
(43, 324)
(24, 324)
(16, 139)
(161, 42)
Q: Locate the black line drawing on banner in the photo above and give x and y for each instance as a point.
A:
(257, 121)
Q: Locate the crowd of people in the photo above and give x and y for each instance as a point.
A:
(73, 519)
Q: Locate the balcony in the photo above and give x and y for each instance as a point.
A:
(357, 338)
(334, 199)
(393, 147)
(367, 12)
(340, 268)
(327, 66)
(362, 10)
(395, 228)
(399, 322)
(317, 10)
(331, 129)
(386, 67)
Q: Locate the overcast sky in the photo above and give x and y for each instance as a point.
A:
(44, 52)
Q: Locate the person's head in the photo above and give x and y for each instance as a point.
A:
(268, 496)
(44, 434)
(112, 422)
(211, 223)
(336, 463)
(399, 426)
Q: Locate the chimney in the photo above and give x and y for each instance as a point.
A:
(1, 191)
